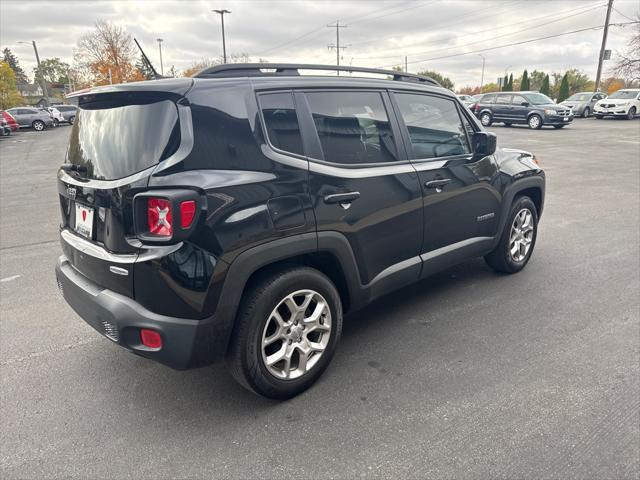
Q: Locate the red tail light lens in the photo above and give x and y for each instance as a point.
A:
(150, 338)
(159, 217)
(187, 212)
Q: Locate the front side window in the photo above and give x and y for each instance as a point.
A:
(281, 121)
(503, 99)
(538, 99)
(353, 127)
(488, 98)
(434, 126)
(518, 100)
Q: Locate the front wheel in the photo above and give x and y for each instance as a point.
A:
(286, 332)
(486, 119)
(55, 122)
(631, 114)
(586, 112)
(535, 122)
(518, 238)
(38, 125)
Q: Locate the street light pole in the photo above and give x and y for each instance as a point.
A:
(43, 83)
(224, 46)
(160, 48)
(482, 76)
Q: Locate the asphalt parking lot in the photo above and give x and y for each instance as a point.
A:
(468, 374)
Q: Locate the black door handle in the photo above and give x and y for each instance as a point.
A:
(437, 183)
(342, 197)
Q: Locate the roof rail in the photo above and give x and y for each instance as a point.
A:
(293, 69)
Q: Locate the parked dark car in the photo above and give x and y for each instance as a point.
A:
(239, 214)
(30, 117)
(68, 112)
(11, 122)
(528, 108)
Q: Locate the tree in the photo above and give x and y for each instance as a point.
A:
(563, 93)
(524, 83)
(544, 88)
(505, 83)
(9, 95)
(628, 61)
(212, 62)
(511, 82)
(53, 70)
(12, 61)
(108, 53)
(144, 69)
(446, 82)
(536, 79)
(490, 87)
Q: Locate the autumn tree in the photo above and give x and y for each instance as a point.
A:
(108, 53)
(9, 96)
(12, 61)
(628, 61)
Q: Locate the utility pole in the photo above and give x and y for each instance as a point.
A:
(337, 44)
(224, 45)
(160, 48)
(43, 83)
(605, 31)
(482, 76)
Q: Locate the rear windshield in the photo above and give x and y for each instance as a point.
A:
(117, 142)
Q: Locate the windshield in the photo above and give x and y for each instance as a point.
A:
(117, 142)
(538, 99)
(579, 97)
(624, 94)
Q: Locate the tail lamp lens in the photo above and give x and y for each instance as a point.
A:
(150, 338)
(187, 212)
(159, 217)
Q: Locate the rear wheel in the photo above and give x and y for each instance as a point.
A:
(535, 122)
(38, 125)
(286, 332)
(486, 119)
(586, 112)
(631, 114)
(518, 238)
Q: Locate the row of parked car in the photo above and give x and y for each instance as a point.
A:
(537, 110)
(37, 118)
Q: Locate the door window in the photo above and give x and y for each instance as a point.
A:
(434, 126)
(488, 98)
(281, 121)
(503, 99)
(353, 127)
(518, 100)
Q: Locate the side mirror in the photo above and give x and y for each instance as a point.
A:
(525, 104)
(484, 143)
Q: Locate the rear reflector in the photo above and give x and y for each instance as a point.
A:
(150, 338)
(159, 217)
(187, 212)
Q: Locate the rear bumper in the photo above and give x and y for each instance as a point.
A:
(186, 343)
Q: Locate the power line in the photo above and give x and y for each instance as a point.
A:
(493, 38)
(597, 27)
(413, 7)
(284, 44)
(493, 28)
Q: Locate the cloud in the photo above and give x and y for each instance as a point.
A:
(378, 33)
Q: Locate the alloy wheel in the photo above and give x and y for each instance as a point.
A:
(521, 235)
(534, 121)
(39, 126)
(485, 119)
(296, 334)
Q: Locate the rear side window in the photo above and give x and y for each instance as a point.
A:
(434, 125)
(117, 142)
(281, 121)
(503, 99)
(488, 99)
(353, 127)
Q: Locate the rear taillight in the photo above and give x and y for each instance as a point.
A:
(187, 212)
(159, 217)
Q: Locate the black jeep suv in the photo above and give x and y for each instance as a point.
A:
(528, 108)
(239, 214)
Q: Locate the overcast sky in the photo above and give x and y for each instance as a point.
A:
(378, 33)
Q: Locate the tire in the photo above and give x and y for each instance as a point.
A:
(559, 126)
(501, 259)
(586, 112)
(38, 125)
(599, 117)
(486, 120)
(507, 124)
(71, 120)
(257, 322)
(631, 114)
(55, 122)
(535, 122)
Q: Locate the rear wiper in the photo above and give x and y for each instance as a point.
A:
(69, 167)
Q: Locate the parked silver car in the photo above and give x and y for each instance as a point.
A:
(582, 103)
(68, 112)
(31, 117)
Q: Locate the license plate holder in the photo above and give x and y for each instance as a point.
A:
(84, 220)
(565, 119)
